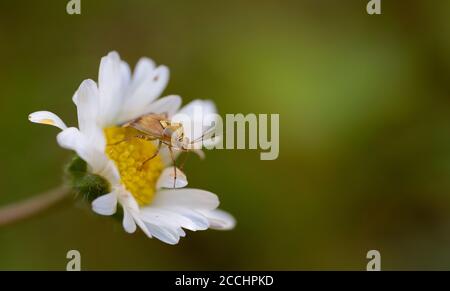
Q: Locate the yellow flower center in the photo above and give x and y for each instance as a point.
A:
(129, 154)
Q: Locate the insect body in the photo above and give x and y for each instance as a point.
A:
(159, 127)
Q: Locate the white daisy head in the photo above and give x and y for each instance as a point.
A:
(115, 167)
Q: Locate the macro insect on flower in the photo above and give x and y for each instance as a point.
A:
(117, 165)
(158, 127)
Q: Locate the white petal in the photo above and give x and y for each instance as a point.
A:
(219, 219)
(72, 139)
(48, 118)
(142, 226)
(188, 198)
(106, 204)
(87, 101)
(111, 88)
(197, 220)
(106, 168)
(144, 89)
(176, 217)
(169, 104)
(204, 106)
(149, 85)
(125, 72)
(144, 68)
(165, 234)
(131, 212)
(191, 209)
(127, 201)
(167, 179)
(181, 232)
(128, 221)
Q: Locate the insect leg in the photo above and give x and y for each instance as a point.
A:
(153, 156)
(120, 141)
(140, 136)
(174, 166)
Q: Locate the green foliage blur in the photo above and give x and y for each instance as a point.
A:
(365, 129)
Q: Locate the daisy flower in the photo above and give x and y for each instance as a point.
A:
(111, 159)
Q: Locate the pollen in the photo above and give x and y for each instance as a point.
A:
(129, 153)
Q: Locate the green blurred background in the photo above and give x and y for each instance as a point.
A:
(365, 129)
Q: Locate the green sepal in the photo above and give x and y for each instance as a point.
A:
(88, 185)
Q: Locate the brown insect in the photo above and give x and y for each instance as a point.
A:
(158, 127)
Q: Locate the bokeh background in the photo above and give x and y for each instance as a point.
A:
(365, 129)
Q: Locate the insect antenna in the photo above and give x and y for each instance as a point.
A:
(202, 137)
(174, 166)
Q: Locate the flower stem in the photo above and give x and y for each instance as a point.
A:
(27, 208)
